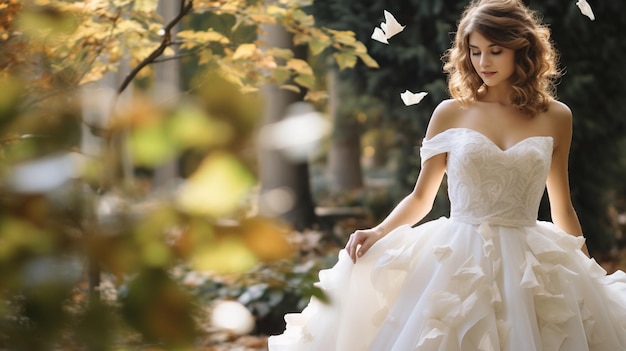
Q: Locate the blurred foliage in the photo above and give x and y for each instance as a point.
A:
(75, 42)
(270, 290)
(67, 218)
(592, 86)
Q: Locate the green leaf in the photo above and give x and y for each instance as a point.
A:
(318, 45)
(217, 188)
(190, 127)
(306, 80)
(281, 75)
(151, 145)
(345, 59)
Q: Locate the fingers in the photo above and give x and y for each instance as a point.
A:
(349, 247)
(365, 246)
(357, 245)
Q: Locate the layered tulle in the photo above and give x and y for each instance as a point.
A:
(491, 278)
(448, 285)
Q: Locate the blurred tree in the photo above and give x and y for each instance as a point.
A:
(58, 205)
(277, 172)
(370, 98)
(591, 52)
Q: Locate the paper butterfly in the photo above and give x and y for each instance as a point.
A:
(387, 29)
(410, 98)
(584, 7)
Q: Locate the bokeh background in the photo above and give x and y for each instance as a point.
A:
(175, 173)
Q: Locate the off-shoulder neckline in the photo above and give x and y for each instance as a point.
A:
(489, 139)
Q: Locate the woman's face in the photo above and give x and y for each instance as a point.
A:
(494, 64)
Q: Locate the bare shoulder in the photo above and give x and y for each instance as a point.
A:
(559, 117)
(445, 116)
(559, 112)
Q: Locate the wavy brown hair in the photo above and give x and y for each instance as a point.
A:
(509, 24)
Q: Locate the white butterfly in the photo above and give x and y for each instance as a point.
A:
(585, 8)
(387, 29)
(410, 98)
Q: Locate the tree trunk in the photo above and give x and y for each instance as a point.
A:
(344, 165)
(344, 157)
(167, 91)
(279, 175)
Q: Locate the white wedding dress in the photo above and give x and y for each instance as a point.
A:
(491, 277)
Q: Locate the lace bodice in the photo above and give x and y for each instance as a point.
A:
(488, 184)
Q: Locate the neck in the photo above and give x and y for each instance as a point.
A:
(497, 94)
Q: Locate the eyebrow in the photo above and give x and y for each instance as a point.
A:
(476, 47)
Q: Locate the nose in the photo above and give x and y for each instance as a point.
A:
(485, 61)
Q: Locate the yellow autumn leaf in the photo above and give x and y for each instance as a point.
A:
(225, 256)
(280, 53)
(217, 188)
(316, 95)
(205, 57)
(267, 62)
(262, 18)
(303, 18)
(145, 5)
(229, 7)
(291, 87)
(203, 36)
(369, 61)
(343, 37)
(276, 10)
(244, 51)
(97, 71)
(359, 48)
(121, 3)
(129, 26)
(299, 66)
(302, 38)
(267, 238)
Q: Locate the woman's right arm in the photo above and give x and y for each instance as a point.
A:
(416, 205)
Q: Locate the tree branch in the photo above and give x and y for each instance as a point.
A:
(179, 56)
(165, 42)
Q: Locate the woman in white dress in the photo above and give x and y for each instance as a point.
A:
(490, 277)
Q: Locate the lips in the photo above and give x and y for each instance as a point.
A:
(488, 73)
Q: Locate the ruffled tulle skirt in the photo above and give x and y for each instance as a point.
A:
(450, 286)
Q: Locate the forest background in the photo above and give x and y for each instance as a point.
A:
(155, 158)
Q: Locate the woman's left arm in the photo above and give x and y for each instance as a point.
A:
(563, 214)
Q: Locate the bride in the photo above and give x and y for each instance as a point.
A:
(490, 277)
